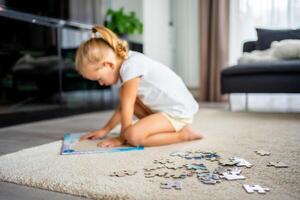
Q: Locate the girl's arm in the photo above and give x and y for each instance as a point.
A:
(128, 96)
(115, 119)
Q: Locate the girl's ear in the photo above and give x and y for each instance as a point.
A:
(108, 64)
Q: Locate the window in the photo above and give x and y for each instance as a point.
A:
(248, 14)
(245, 16)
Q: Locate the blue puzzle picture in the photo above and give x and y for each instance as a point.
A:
(72, 145)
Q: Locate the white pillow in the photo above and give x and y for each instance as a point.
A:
(286, 49)
(257, 56)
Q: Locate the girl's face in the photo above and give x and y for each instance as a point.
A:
(106, 72)
(103, 72)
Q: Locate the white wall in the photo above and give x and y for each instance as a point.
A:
(186, 40)
(157, 37)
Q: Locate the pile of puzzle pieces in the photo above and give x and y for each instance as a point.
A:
(191, 163)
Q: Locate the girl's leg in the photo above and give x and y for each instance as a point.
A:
(141, 110)
(155, 130)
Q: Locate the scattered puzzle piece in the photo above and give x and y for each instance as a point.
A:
(234, 174)
(242, 162)
(174, 165)
(208, 155)
(198, 156)
(123, 173)
(212, 156)
(171, 184)
(163, 161)
(220, 170)
(161, 173)
(196, 166)
(209, 178)
(180, 174)
(153, 167)
(200, 171)
(168, 173)
(178, 153)
(277, 164)
(151, 174)
(189, 156)
(263, 153)
(227, 162)
(169, 168)
(258, 188)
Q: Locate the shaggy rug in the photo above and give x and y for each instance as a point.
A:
(228, 133)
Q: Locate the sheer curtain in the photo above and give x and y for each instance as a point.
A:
(245, 16)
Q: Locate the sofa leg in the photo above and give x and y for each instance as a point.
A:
(229, 102)
(246, 102)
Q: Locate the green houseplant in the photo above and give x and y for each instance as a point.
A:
(123, 24)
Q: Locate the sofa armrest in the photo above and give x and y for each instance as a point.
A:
(249, 46)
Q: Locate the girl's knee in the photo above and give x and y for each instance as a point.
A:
(133, 137)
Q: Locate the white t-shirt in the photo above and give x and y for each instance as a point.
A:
(160, 88)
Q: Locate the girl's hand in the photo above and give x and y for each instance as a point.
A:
(111, 142)
(94, 134)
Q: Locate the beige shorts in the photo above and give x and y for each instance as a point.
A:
(178, 123)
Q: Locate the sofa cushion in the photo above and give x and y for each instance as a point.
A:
(286, 49)
(266, 36)
(290, 66)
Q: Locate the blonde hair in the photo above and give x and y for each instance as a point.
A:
(93, 49)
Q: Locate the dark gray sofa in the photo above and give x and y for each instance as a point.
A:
(273, 77)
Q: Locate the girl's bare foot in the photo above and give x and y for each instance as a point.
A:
(188, 134)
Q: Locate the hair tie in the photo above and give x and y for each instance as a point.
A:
(96, 35)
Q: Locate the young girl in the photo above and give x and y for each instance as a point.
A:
(150, 91)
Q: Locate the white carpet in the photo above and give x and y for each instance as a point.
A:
(230, 134)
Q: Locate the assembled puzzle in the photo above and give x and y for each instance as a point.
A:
(72, 145)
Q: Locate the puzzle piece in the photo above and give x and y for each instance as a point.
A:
(196, 166)
(171, 184)
(212, 156)
(151, 174)
(174, 165)
(168, 174)
(209, 178)
(163, 161)
(178, 153)
(200, 171)
(234, 174)
(161, 173)
(277, 164)
(242, 162)
(198, 156)
(123, 173)
(227, 162)
(180, 174)
(189, 156)
(153, 167)
(263, 153)
(258, 188)
(220, 170)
